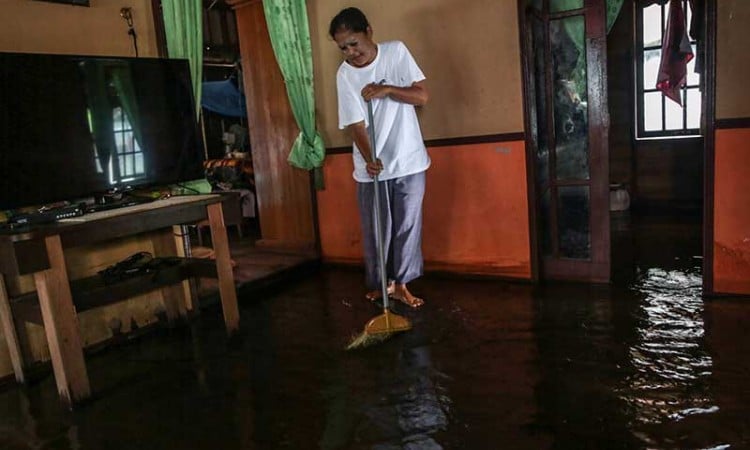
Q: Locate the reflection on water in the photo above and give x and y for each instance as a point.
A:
(671, 365)
(411, 405)
(422, 402)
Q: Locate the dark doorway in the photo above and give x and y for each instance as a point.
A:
(656, 150)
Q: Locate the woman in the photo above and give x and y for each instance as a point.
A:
(386, 75)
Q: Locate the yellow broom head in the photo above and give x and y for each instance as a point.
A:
(379, 329)
(363, 340)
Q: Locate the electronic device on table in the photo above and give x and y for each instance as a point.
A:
(76, 127)
(47, 215)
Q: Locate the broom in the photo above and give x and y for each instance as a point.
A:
(387, 324)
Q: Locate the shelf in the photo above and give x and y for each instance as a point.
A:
(92, 292)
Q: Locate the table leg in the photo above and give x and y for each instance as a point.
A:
(227, 289)
(182, 240)
(9, 331)
(176, 303)
(61, 326)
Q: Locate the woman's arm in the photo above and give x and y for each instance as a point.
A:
(416, 94)
(360, 137)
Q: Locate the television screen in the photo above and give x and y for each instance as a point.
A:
(75, 126)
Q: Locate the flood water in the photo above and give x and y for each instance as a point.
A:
(642, 363)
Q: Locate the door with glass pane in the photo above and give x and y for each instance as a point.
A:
(567, 120)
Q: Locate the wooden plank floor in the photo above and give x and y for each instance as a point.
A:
(253, 266)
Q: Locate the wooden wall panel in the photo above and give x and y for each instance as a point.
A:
(668, 174)
(284, 193)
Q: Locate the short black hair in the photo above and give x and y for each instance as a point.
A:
(349, 19)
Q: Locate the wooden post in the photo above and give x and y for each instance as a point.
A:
(61, 325)
(9, 331)
(227, 289)
(284, 193)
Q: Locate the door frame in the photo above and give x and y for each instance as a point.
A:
(599, 266)
(709, 144)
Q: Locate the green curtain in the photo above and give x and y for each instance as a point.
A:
(290, 38)
(183, 25)
(612, 11)
(575, 26)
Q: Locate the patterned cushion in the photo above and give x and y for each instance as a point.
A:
(230, 173)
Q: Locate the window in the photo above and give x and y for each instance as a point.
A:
(129, 154)
(656, 114)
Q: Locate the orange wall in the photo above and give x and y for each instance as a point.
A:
(731, 184)
(475, 211)
(732, 212)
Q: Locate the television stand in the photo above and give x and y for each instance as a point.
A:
(41, 250)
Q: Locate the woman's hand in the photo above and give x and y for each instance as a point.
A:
(374, 167)
(375, 90)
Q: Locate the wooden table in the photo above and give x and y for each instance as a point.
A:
(39, 250)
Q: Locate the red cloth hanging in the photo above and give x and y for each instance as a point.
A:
(676, 53)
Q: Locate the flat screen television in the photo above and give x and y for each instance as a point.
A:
(72, 127)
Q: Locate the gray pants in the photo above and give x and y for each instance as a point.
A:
(401, 210)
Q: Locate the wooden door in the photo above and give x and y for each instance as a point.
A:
(567, 130)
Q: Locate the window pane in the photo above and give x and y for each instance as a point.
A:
(651, 61)
(673, 114)
(573, 211)
(652, 25)
(569, 100)
(121, 144)
(139, 163)
(128, 165)
(117, 119)
(693, 79)
(126, 122)
(564, 5)
(652, 111)
(693, 108)
(128, 137)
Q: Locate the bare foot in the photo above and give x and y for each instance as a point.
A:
(377, 294)
(402, 293)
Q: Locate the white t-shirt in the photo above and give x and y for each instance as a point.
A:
(397, 135)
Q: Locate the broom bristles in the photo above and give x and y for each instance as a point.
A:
(365, 339)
